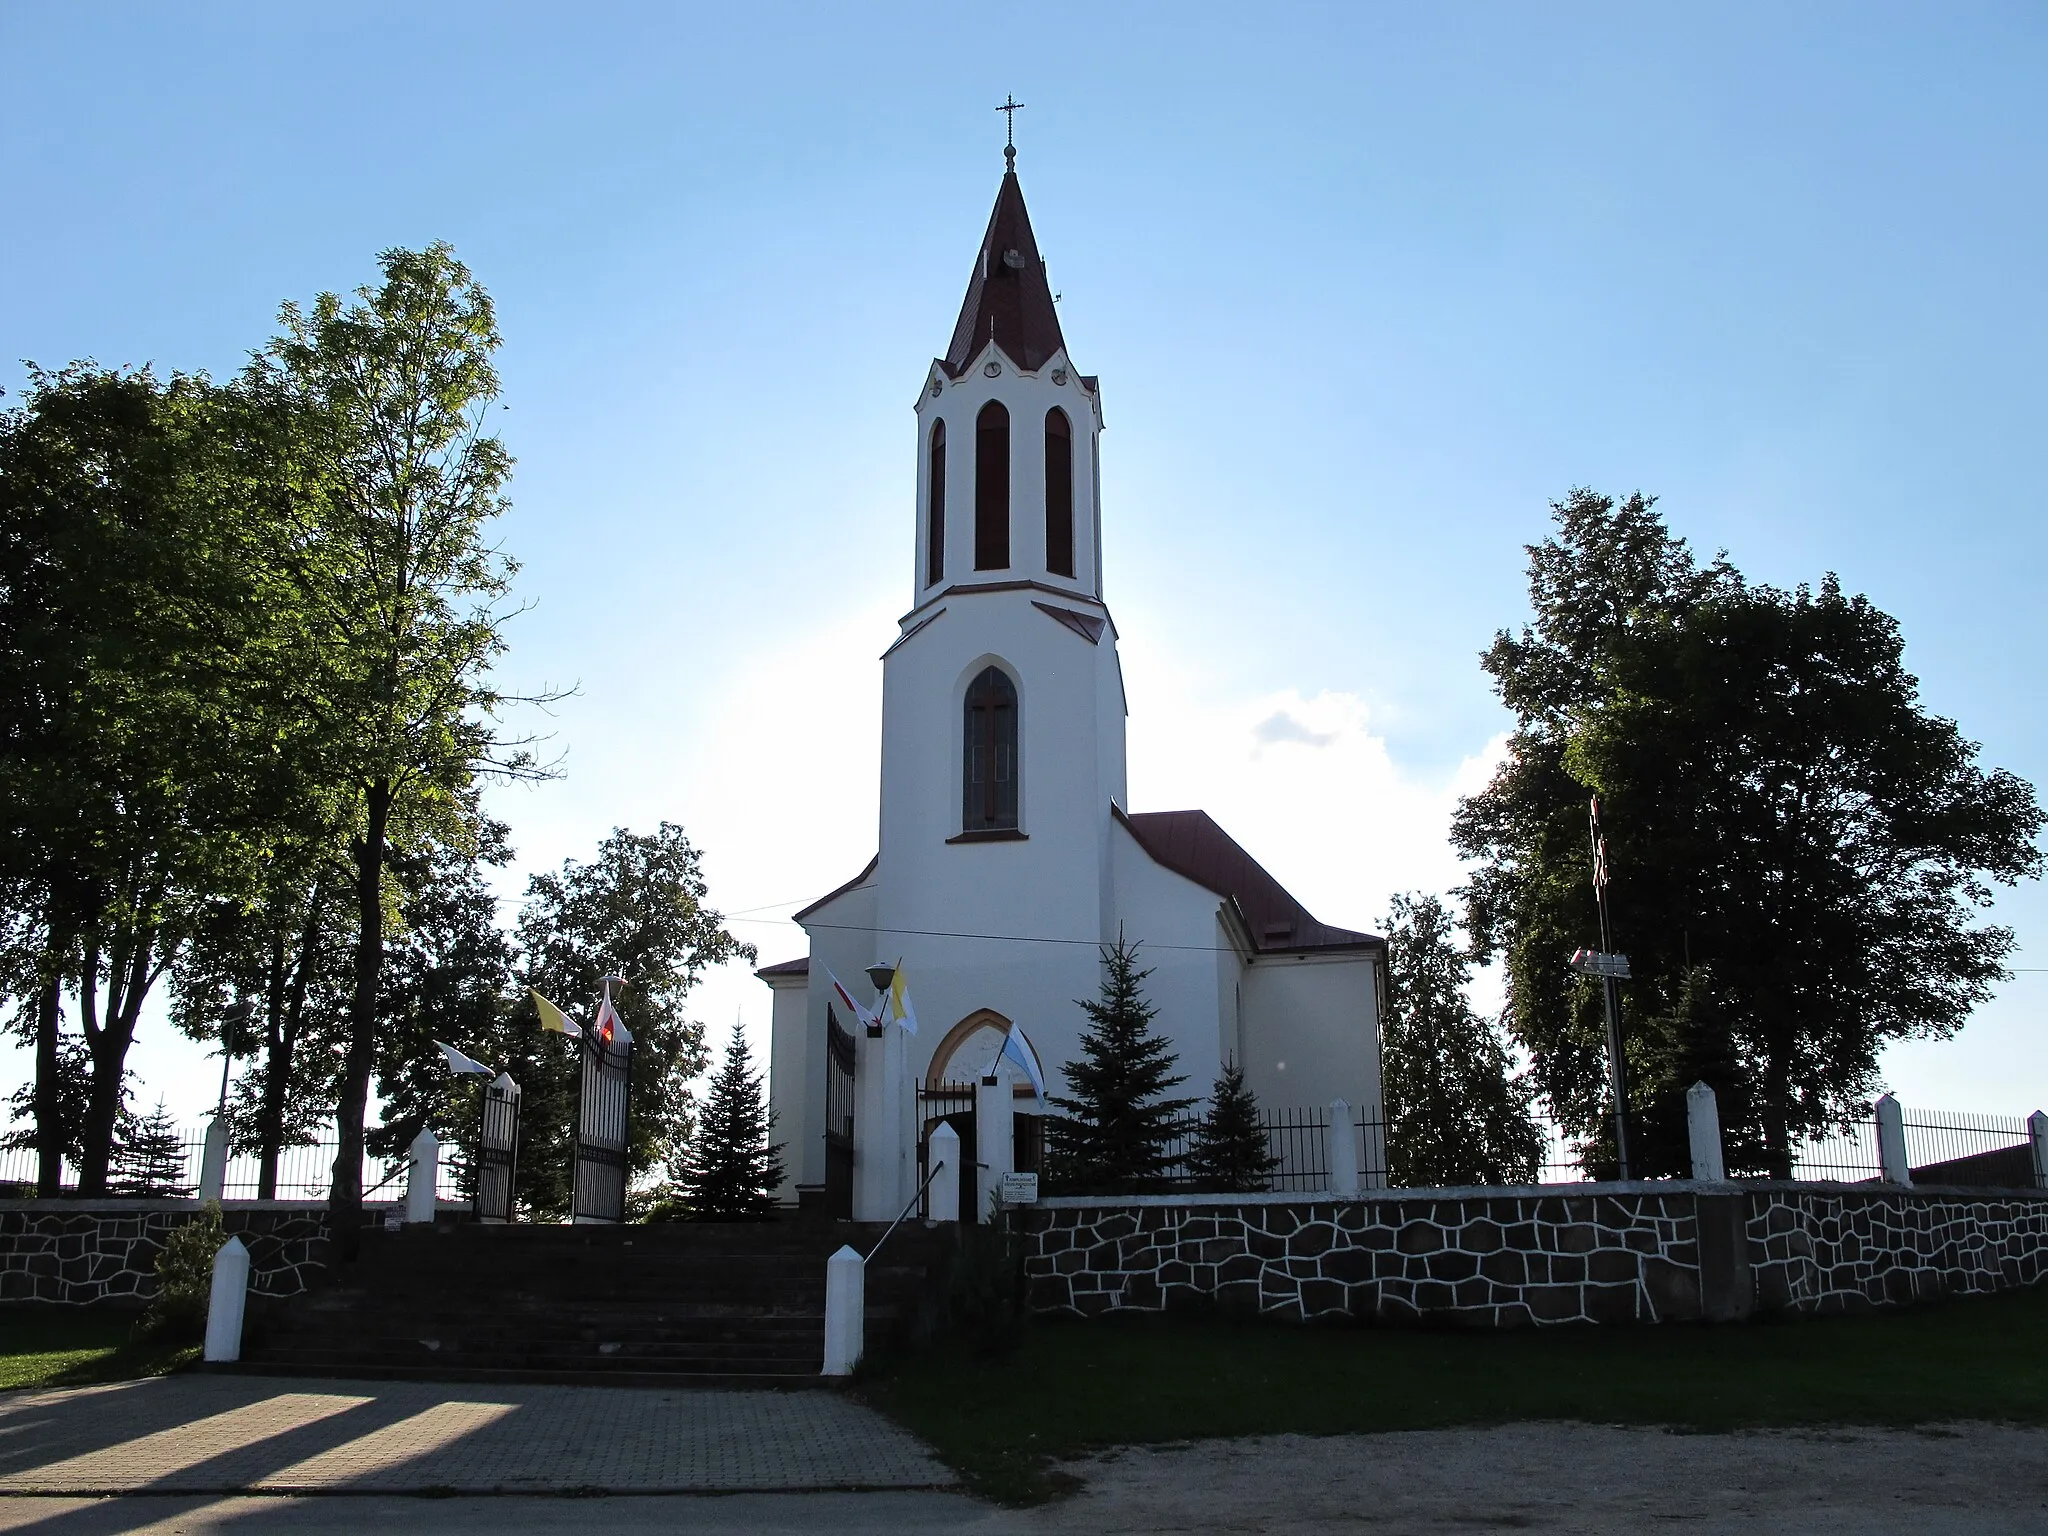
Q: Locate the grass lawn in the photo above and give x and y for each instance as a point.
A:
(1080, 1386)
(52, 1348)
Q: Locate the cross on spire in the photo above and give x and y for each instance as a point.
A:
(1010, 107)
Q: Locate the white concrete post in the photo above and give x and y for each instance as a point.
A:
(1891, 1141)
(213, 1159)
(942, 1196)
(227, 1300)
(422, 1176)
(995, 1132)
(1343, 1150)
(2037, 1133)
(874, 1134)
(845, 1312)
(1703, 1122)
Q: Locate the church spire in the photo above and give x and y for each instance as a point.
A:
(1008, 298)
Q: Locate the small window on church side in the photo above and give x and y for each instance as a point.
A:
(935, 551)
(1059, 493)
(989, 766)
(992, 488)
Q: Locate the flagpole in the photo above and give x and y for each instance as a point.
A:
(1616, 1063)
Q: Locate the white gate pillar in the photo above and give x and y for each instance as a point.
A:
(995, 1129)
(2037, 1133)
(845, 1311)
(1891, 1141)
(878, 1126)
(1703, 1124)
(942, 1195)
(1343, 1150)
(226, 1301)
(422, 1177)
(213, 1159)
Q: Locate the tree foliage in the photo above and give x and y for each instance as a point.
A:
(1799, 850)
(1456, 1112)
(379, 405)
(1229, 1153)
(1115, 1130)
(730, 1170)
(138, 682)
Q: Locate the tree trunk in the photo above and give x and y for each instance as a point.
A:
(127, 984)
(345, 1197)
(49, 1099)
(1775, 1109)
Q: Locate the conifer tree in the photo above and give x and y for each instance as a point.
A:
(150, 1159)
(731, 1171)
(1115, 1134)
(1230, 1153)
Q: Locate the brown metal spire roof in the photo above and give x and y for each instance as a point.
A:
(1008, 299)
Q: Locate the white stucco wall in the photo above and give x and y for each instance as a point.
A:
(1311, 1027)
(799, 1108)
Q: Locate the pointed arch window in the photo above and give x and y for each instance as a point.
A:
(935, 516)
(992, 488)
(988, 776)
(1059, 493)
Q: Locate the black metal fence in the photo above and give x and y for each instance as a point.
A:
(304, 1172)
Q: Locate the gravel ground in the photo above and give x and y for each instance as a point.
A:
(1981, 1479)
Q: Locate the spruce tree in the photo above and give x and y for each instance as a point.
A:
(1115, 1134)
(1230, 1154)
(730, 1171)
(149, 1158)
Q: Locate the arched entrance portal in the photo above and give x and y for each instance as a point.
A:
(970, 1052)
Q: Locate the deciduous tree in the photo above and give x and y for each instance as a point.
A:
(1799, 850)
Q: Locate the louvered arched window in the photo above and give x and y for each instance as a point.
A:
(992, 488)
(988, 777)
(935, 517)
(1059, 493)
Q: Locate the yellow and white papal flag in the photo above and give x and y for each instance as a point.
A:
(553, 1018)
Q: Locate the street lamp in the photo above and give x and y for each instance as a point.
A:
(233, 1023)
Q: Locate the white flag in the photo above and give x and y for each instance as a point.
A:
(460, 1064)
(865, 1016)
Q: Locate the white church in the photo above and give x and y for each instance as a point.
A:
(1009, 853)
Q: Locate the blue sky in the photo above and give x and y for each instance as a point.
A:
(1366, 287)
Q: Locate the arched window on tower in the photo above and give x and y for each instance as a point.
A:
(935, 519)
(1059, 493)
(992, 488)
(988, 777)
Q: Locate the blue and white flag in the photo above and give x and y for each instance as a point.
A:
(1018, 1049)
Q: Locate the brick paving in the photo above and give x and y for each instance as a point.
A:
(241, 1434)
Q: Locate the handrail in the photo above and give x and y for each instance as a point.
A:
(927, 1184)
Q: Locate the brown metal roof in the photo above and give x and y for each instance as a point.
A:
(1008, 299)
(1190, 843)
(800, 966)
(857, 880)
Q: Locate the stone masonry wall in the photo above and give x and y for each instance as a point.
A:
(1850, 1250)
(1503, 1258)
(87, 1252)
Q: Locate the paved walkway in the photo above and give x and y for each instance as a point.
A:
(242, 1434)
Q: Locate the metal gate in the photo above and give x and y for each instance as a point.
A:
(497, 1149)
(601, 1131)
(840, 1059)
(951, 1104)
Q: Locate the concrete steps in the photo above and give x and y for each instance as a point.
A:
(652, 1305)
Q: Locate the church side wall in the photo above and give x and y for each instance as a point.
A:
(792, 1064)
(1311, 1025)
(1175, 919)
(842, 941)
